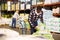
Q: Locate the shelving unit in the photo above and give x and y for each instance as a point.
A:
(53, 4)
(31, 4)
(13, 7)
(57, 4)
(13, 2)
(38, 5)
(49, 5)
(56, 14)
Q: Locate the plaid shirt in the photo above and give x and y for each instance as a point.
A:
(33, 17)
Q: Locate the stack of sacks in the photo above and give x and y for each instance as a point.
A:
(51, 1)
(56, 10)
(22, 0)
(48, 2)
(53, 24)
(22, 14)
(2, 21)
(9, 5)
(0, 7)
(22, 6)
(54, 1)
(33, 2)
(26, 16)
(6, 6)
(47, 14)
(26, 21)
(7, 20)
(17, 6)
(28, 6)
(39, 1)
(10, 22)
(27, 0)
(13, 7)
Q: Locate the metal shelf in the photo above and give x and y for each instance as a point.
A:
(53, 4)
(56, 14)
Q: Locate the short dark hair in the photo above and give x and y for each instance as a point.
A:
(39, 7)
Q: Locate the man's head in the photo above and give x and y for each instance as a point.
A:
(39, 9)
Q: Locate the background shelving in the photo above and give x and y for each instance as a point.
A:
(53, 4)
(56, 14)
(21, 5)
(49, 4)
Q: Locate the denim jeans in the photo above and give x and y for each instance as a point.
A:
(13, 22)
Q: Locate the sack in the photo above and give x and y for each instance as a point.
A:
(41, 27)
(27, 24)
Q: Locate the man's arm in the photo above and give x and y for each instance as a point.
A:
(30, 19)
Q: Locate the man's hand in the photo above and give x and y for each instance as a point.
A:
(36, 27)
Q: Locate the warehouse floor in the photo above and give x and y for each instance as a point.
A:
(55, 36)
(27, 32)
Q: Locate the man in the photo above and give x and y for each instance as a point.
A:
(14, 18)
(33, 17)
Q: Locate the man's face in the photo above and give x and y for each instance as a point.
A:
(38, 11)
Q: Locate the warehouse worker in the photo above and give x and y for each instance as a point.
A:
(33, 18)
(14, 19)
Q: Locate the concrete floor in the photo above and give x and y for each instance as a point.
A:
(16, 29)
(55, 36)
